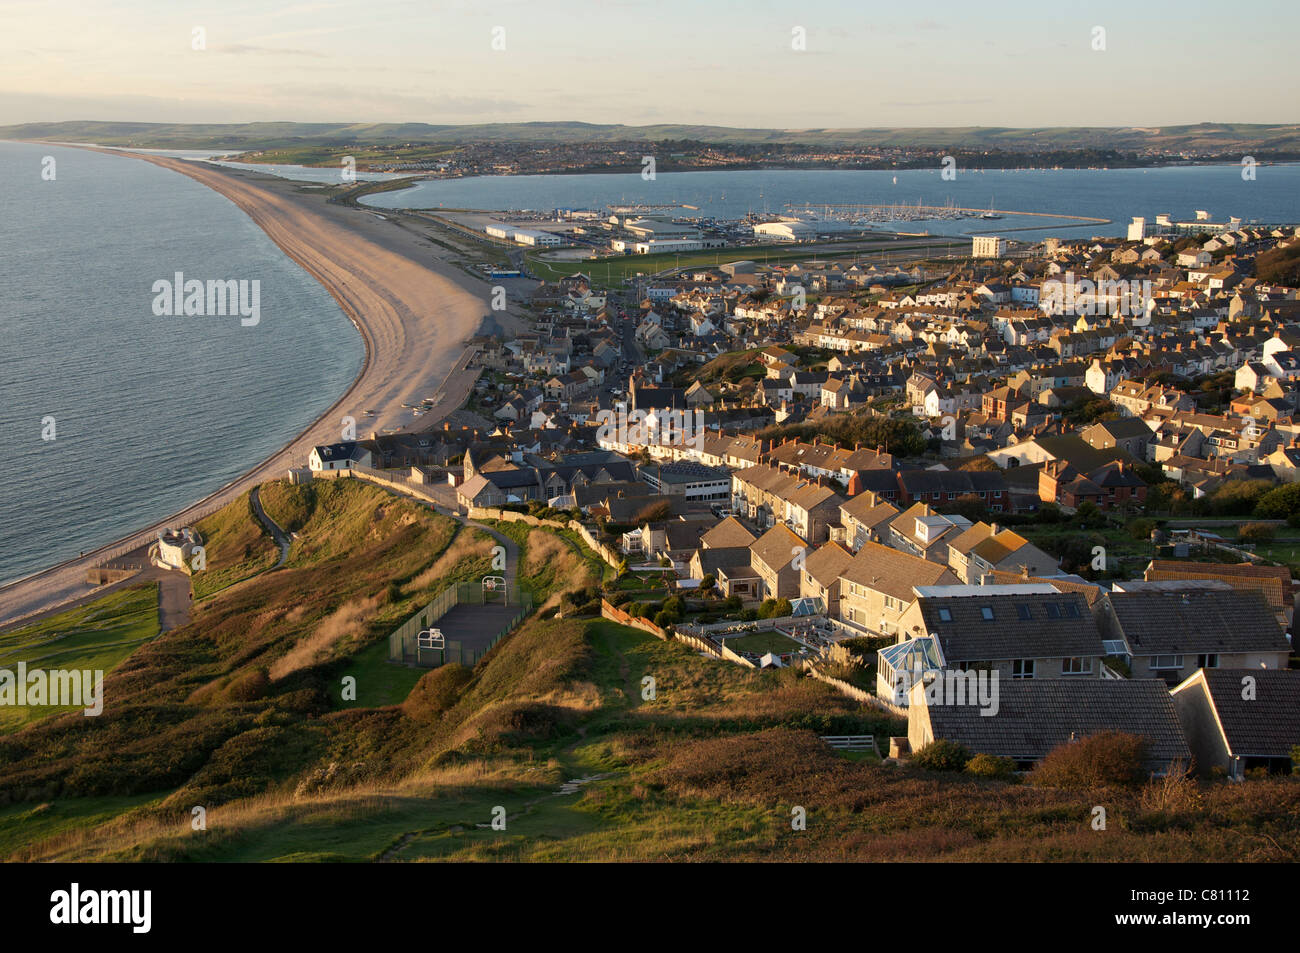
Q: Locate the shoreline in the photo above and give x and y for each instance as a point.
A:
(381, 286)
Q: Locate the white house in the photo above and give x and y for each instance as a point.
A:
(338, 456)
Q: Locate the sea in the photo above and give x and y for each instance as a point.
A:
(1265, 193)
(112, 416)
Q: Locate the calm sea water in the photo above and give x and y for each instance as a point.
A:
(150, 413)
(1116, 194)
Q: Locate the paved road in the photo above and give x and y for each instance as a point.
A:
(174, 600)
(280, 536)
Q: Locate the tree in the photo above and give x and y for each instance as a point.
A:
(1279, 504)
(1239, 497)
(708, 583)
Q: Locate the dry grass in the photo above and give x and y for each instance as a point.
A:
(466, 546)
(552, 557)
(347, 622)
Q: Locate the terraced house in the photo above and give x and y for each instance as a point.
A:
(876, 587)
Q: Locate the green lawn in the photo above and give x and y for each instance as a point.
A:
(379, 681)
(21, 824)
(760, 643)
(610, 271)
(96, 636)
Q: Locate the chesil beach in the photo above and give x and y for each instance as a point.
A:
(412, 310)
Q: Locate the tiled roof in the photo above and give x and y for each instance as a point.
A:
(827, 562)
(1265, 725)
(1196, 621)
(1040, 625)
(1273, 581)
(1036, 715)
(892, 572)
(730, 532)
(777, 547)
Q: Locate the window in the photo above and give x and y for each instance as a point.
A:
(1160, 662)
(1207, 661)
(1022, 668)
(1076, 666)
(1053, 610)
(987, 613)
(1114, 647)
(1022, 611)
(945, 615)
(1071, 610)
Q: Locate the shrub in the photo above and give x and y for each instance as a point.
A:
(1279, 504)
(1141, 528)
(675, 605)
(748, 615)
(1106, 759)
(991, 766)
(1256, 533)
(708, 583)
(665, 619)
(733, 603)
(249, 686)
(941, 755)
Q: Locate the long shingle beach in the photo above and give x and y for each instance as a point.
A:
(413, 308)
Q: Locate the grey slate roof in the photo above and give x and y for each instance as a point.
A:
(1036, 715)
(1068, 631)
(1267, 725)
(1197, 620)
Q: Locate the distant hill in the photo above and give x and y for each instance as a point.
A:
(1200, 139)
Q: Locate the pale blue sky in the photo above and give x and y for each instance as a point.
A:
(724, 62)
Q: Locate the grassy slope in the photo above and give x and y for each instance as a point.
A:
(96, 636)
(707, 766)
(236, 547)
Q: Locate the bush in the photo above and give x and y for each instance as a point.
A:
(708, 583)
(775, 609)
(748, 615)
(674, 605)
(991, 766)
(1106, 759)
(941, 755)
(1279, 504)
(665, 619)
(1141, 529)
(733, 604)
(1256, 533)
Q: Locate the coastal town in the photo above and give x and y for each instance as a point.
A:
(680, 436)
(1076, 467)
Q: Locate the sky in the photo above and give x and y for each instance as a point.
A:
(748, 63)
